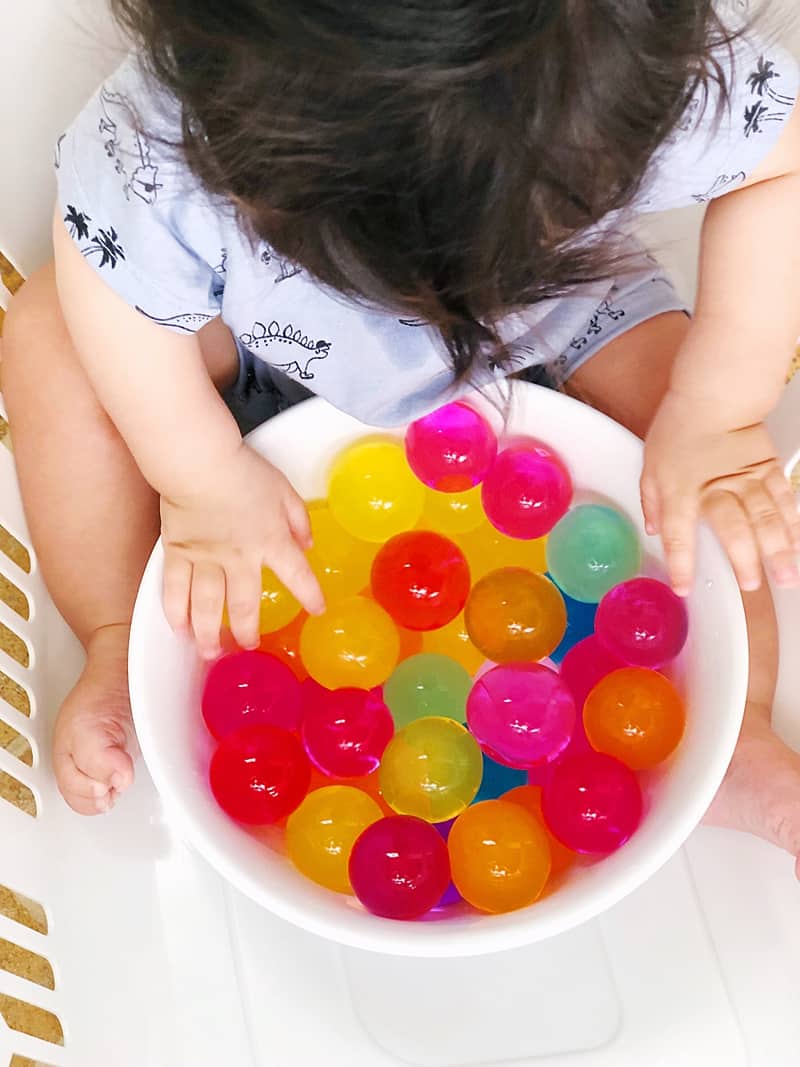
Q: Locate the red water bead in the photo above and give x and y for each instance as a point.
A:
(592, 803)
(451, 449)
(421, 579)
(259, 774)
(250, 687)
(643, 622)
(399, 867)
(584, 665)
(527, 490)
(345, 731)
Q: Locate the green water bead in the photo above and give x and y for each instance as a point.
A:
(592, 549)
(427, 684)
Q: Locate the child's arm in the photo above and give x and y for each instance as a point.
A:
(708, 448)
(225, 510)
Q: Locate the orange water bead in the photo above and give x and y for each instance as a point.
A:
(515, 616)
(530, 798)
(284, 644)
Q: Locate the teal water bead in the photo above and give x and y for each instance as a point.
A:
(592, 549)
(427, 684)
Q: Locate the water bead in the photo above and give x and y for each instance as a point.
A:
(513, 615)
(320, 835)
(277, 607)
(584, 665)
(451, 895)
(250, 687)
(452, 513)
(592, 549)
(372, 492)
(499, 856)
(399, 867)
(345, 731)
(340, 562)
(523, 713)
(259, 774)
(643, 622)
(284, 644)
(354, 644)
(453, 640)
(486, 549)
(592, 803)
(635, 715)
(410, 643)
(580, 625)
(530, 797)
(425, 685)
(452, 448)
(527, 490)
(498, 779)
(432, 769)
(421, 579)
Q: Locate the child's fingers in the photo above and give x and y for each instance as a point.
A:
(207, 602)
(243, 595)
(650, 504)
(299, 521)
(177, 584)
(291, 566)
(726, 514)
(786, 502)
(772, 533)
(678, 522)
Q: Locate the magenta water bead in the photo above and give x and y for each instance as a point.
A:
(527, 490)
(592, 803)
(247, 687)
(345, 731)
(643, 622)
(452, 448)
(521, 713)
(399, 867)
(585, 664)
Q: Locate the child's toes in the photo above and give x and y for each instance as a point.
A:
(83, 794)
(109, 765)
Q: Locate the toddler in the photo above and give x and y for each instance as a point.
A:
(385, 203)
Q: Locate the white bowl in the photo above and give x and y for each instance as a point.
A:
(165, 679)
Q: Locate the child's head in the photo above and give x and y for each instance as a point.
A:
(433, 156)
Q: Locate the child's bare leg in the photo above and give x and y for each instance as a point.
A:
(93, 521)
(761, 792)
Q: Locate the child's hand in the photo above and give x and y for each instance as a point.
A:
(730, 475)
(217, 538)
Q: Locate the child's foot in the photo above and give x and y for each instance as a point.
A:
(94, 731)
(761, 791)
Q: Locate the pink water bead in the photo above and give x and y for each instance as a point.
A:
(527, 490)
(451, 449)
(521, 713)
(250, 687)
(345, 731)
(643, 622)
(592, 803)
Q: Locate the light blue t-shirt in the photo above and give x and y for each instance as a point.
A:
(179, 257)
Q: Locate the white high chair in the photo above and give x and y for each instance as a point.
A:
(118, 946)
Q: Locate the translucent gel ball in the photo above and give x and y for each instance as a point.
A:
(453, 640)
(410, 643)
(427, 685)
(451, 449)
(515, 616)
(643, 622)
(354, 644)
(421, 579)
(399, 867)
(530, 797)
(486, 549)
(591, 550)
(346, 730)
(592, 802)
(452, 513)
(259, 774)
(250, 687)
(635, 715)
(432, 769)
(341, 563)
(372, 492)
(499, 856)
(320, 835)
(284, 644)
(580, 625)
(524, 713)
(498, 779)
(527, 490)
(278, 607)
(584, 665)
(451, 895)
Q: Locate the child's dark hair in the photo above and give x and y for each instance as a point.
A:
(437, 157)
